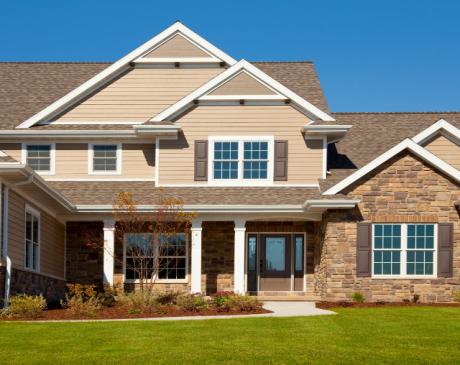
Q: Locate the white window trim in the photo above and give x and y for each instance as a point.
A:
(91, 158)
(159, 281)
(403, 251)
(36, 213)
(240, 181)
(52, 156)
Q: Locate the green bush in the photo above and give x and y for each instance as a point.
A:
(138, 301)
(456, 294)
(220, 298)
(192, 301)
(415, 298)
(167, 298)
(358, 297)
(25, 306)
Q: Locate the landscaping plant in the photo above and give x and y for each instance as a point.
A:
(138, 301)
(25, 306)
(456, 294)
(220, 298)
(358, 297)
(192, 301)
(83, 300)
(415, 298)
(151, 239)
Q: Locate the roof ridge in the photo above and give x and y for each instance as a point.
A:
(280, 61)
(432, 112)
(52, 62)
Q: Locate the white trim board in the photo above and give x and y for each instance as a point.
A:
(120, 65)
(441, 126)
(253, 71)
(405, 144)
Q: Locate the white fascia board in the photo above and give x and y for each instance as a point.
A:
(242, 97)
(330, 204)
(229, 73)
(163, 128)
(440, 125)
(67, 133)
(325, 128)
(174, 60)
(205, 208)
(120, 64)
(406, 144)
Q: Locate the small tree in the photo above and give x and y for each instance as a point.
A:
(152, 234)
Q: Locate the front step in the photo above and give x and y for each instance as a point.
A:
(312, 298)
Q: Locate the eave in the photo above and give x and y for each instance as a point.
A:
(333, 133)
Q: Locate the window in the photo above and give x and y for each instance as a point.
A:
(172, 256)
(104, 159)
(401, 250)
(40, 157)
(241, 159)
(32, 238)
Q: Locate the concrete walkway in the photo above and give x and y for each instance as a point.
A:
(280, 309)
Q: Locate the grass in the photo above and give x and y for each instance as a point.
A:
(384, 335)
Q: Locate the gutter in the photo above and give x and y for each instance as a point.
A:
(6, 190)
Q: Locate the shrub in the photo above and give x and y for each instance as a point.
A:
(242, 300)
(456, 294)
(346, 304)
(407, 301)
(220, 298)
(135, 312)
(192, 300)
(415, 298)
(25, 306)
(380, 302)
(138, 301)
(110, 293)
(83, 300)
(358, 297)
(167, 298)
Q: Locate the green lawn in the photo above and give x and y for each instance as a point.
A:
(387, 335)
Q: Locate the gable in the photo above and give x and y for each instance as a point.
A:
(138, 94)
(177, 47)
(243, 84)
(444, 148)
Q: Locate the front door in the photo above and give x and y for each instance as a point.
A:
(275, 262)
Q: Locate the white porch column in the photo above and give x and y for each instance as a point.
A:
(196, 256)
(240, 233)
(109, 251)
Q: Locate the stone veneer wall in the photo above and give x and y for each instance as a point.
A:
(403, 189)
(84, 264)
(32, 283)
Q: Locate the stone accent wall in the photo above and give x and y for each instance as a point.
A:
(32, 283)
(84, 264)
(404, 187)
(217, 260)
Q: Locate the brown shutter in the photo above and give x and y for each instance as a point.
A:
(201, 160)
(281, 161)
(445, 250)
(364, 250)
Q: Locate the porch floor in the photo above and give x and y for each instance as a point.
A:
(286, 296)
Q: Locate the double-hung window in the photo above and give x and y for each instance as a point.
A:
(240, 160)
(39, 157)
(404, 250)
(105, 159)
(32, 239)
(163, 257)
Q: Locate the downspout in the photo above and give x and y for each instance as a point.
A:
(6, 190)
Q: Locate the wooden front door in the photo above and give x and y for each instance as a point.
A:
(275, 262)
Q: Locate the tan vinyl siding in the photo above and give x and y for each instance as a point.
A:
(137, 162)
(12, 149)
(243, 84)
(176, 160)
(445, 149)
(177, 47)
(52, 237)
(138, 95)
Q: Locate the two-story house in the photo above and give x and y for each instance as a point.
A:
(292, 200)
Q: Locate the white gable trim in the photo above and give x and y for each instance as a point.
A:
(120, 65)
(406, 144)
(439, 127)
(253, 71)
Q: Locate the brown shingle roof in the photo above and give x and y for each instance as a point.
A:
(7, 158)
(373, 134)
(98, 193)
(29, 87)
(300, 77)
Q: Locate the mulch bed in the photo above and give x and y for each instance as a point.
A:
(116, 312)
(332, 305)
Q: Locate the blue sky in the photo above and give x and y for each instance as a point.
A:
(370, 55)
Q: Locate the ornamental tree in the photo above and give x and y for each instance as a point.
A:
(153, 235)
